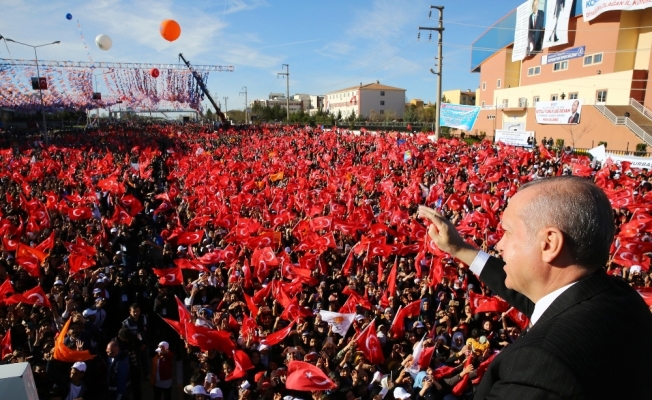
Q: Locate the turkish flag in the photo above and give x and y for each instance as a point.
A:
(398, 325)
(5, 345)
(581, 170)
(10, 244)
(209, 339)
(80, 213)
(321, 223)
(293, 311)
(482, 368)
(121, 216)
(80, 248)
(520, 319)
(63, 353)
(443, 372)
(79, 262)
(46, 244)
(169, 276)
(480, 303)
(185, 263)
(184, 314)
(177, 326)
(6, 290)
(242, 365)
(253, 309)
(278, 336)
(36, 296)
(306, 377)
(369, 344)
(264, 240)
(263, 260)
(358, 298)
(29, 264)
(620, 198)
(190, 238)
(646, 294)
(133, 204)
(24, 250)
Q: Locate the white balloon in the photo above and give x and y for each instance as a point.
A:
(103, 42)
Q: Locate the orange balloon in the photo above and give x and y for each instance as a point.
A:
(170, 30)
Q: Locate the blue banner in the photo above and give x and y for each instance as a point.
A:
(563, 55)
(457, 116)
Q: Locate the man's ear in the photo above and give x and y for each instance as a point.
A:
(552, 244)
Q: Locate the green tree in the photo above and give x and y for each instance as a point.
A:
(209, 114)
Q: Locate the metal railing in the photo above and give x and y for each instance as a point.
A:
(641, 108)
(638, 131)
(610, 116)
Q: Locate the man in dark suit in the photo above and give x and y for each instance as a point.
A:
(535, 29)
(558, 232)
(575, 116)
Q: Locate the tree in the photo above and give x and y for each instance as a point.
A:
(576, 132)
(209, 115)
(339, 115)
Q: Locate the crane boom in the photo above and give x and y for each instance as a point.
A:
(205, 90)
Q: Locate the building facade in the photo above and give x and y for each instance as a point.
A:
(605, 64)
(457, 96)
(366, 100)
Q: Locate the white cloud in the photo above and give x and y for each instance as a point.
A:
(336, 49)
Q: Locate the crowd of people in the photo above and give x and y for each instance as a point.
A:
(268, 262)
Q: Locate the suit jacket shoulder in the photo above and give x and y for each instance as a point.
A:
(568, 352)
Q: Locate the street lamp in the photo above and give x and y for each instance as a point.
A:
(40, 92)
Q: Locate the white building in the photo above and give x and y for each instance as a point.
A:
(364, 99)
(279, 99)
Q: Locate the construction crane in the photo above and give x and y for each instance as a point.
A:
(204, 89)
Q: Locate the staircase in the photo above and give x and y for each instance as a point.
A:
(639, 120)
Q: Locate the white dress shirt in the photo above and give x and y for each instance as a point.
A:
(540, 306)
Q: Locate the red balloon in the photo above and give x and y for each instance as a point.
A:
(154, 72)
(170, 30)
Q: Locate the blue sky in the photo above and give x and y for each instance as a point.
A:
(329, 45)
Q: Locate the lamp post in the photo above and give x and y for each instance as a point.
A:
(40, 92)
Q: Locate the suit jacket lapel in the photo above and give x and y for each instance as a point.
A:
(585, 288)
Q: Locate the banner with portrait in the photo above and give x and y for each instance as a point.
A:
(457, 116)
(530, 29)
(514, 138)
(593, 8)
(562, 112)
(557, 17)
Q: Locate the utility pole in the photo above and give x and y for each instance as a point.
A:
(246, 105)
(226, 109)
(440, 31)
(287, 78)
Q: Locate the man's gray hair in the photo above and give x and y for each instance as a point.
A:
(578, 208)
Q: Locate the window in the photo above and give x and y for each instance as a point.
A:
(554, 97)
(498, 82)
(560, 66)
(382, 92)
(572, 96)
(483, 104)
(533, 71)
(601, 96)
(522, 102)
(382, 102)
(535, 99)
(505, 103)
(382, 111)
(593, 59)
(484, 85)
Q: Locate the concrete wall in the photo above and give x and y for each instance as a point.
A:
(394, 101)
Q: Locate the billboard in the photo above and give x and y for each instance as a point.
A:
(514, 138)
(558, 14)
(563, 112)
(575, 52)
(593, 8)
(530, 29)
(457, 116)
